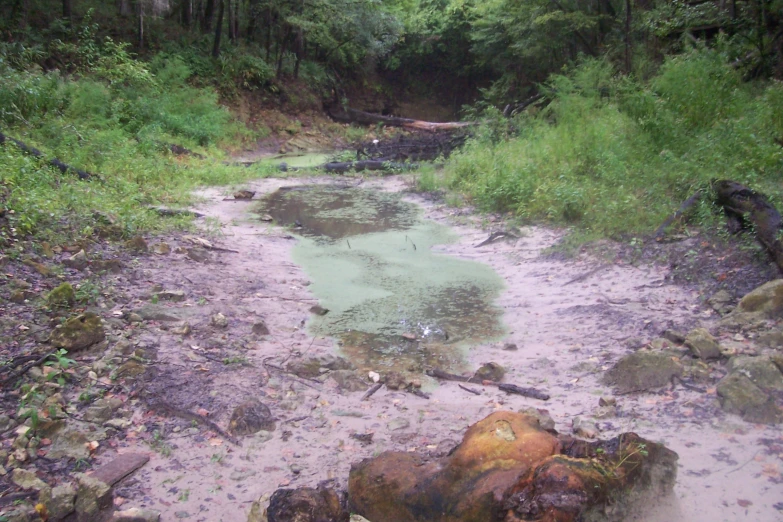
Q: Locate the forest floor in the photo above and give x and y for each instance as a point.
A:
(570, 319)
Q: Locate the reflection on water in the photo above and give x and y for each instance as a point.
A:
(393, 303)
(338, 212)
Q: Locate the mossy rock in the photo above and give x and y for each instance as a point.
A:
(644, 370)
(761, 370)
(739, 395)
(765, 302)
(62, 296)
(79, 332)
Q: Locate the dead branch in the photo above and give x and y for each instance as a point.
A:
(371, 391)
(586, 275)
(508, 388)
(62, 167)
(166, 408)
(688, 203)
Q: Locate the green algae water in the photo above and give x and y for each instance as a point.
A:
(393, 303)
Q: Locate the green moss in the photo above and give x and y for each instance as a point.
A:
(62, 296)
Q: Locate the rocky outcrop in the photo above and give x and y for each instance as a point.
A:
(509, 468)
(644, 370)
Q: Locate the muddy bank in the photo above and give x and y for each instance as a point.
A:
(217, 328)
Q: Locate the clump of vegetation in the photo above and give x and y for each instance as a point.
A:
(611, 155)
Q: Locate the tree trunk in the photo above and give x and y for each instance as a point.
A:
(209, 14)
(231, 35)
(299, 49)
(124, 8)
(218, 30)
(281, 51)
(67, 9)
(268, 34)
(187, 13)
(628, 36)
(236, 21)
(140, 7)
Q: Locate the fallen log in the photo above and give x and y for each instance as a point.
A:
(688, 203)
(742, 203)
(62, 167)
(367, 118)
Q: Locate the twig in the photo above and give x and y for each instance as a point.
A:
(474, 392)
(586, 275)
(284, 298)
(27, 367)
(688, 203)
(746, 463)
(495, 236)
(508, 388)
(371, 391)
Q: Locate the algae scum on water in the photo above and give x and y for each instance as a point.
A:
(393, 303)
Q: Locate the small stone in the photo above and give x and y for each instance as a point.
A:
(162, 249)
(135, 318)
(239, 475)
(18, 296)
(398, 424)
(250, 417)
(176, 296)
(491, 372)
(130, 369)
(510, 347)
(199, 255)
(136, 515)
(63, 296)
(79, 332)
(26, 479)
(59, 501)
(583, 428)
(78, 261)
(395, 381)
(183, 330)
(137, 244)
(348, 380)
(319, 310)
(6, 423)
(260, 328)
(244, 194)
(674, 336)
(702, 344)
(154, 312)
(219, 320)
(69, 442)
(544, 419)
(607, 401)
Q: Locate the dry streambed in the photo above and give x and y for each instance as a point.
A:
(209, 370)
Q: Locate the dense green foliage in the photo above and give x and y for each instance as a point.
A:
(612, 155)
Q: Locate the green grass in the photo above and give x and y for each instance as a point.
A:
(116, 124)
(612, 157)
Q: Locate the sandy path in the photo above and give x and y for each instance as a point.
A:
(567, 335)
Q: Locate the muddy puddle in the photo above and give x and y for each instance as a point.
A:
(393, 302)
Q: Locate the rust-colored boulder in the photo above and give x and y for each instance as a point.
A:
(509, 468)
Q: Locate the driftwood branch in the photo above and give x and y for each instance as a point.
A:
(688, 203)
(508, 388)
(62, 167)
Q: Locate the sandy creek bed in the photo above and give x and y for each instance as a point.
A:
(567, 336)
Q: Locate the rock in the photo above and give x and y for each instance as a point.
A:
(771, 339)
(306, 505)
(721, 301)
(38, 267)
(62, 296)
(162, 249)
(545, 421)
(315, 366)
(102, 410)
(491, 372)
(257, 511)
(135, 318)
(507, 467)
(183, 329)
(78, 261)
(607, 401)
(6, 423)
(583, 428)
(260, 328)
(348, 380)
(739, 395)
(137, 244)
(27, 479)
(154, 312)
(92, 497)
(244, 194)
(643, 370)
(69, 442)
(107, 265)
(59, 501)
(702, 344)
(398, 424)
(176, 296)
(319, 310)
(674, 336)
(510, 347)
(18, 296)
(219, 320)
(78, 333)
(763, 303)
(762, 371)
(129, 369)
(250, 417)
(136, 515)
(395, 381)
(199, 255)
